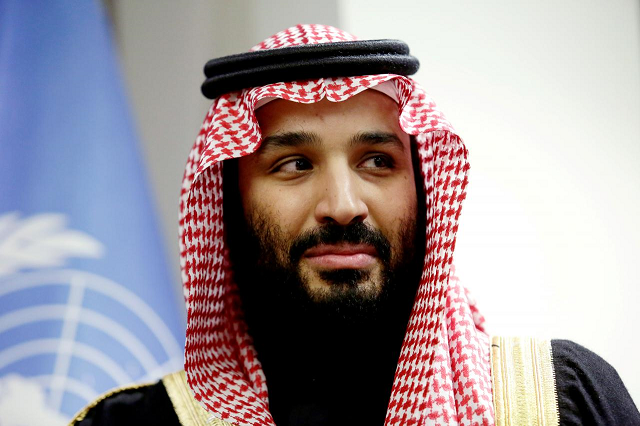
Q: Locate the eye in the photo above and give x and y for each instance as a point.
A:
(294, 166)
(377, 162)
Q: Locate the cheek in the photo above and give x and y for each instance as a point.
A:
(284, 208)
(395, 207)
(399, 196)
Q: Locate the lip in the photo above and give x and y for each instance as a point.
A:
(342, 256)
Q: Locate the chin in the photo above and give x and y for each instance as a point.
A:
(334, 285)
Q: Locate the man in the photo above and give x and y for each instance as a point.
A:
(319, 288)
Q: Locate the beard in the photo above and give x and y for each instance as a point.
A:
(357, 310)
(273, 284)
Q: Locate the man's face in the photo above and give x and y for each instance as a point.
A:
(331, 193)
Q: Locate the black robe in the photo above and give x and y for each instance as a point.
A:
(589, 390)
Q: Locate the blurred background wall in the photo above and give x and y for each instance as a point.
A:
(546, 95)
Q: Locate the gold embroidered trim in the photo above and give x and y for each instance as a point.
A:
(188, 409)
(83, 413)
(524, 388)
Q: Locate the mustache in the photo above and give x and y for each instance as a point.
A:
(355, 233)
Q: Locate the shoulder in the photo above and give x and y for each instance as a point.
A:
(589, 389)
(130, 405)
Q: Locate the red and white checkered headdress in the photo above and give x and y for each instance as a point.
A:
(443, 374)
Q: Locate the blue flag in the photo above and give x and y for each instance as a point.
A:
(86, 299)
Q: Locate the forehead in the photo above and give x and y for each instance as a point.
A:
(366, 111)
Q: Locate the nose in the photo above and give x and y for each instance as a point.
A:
(339, 198)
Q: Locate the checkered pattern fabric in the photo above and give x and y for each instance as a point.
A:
(443, 375)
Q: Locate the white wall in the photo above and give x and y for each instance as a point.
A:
(546, 95)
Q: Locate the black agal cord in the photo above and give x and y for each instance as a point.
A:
(304, 62)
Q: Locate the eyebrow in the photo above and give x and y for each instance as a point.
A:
(376, 138)
(302, 138)
(289, 139)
